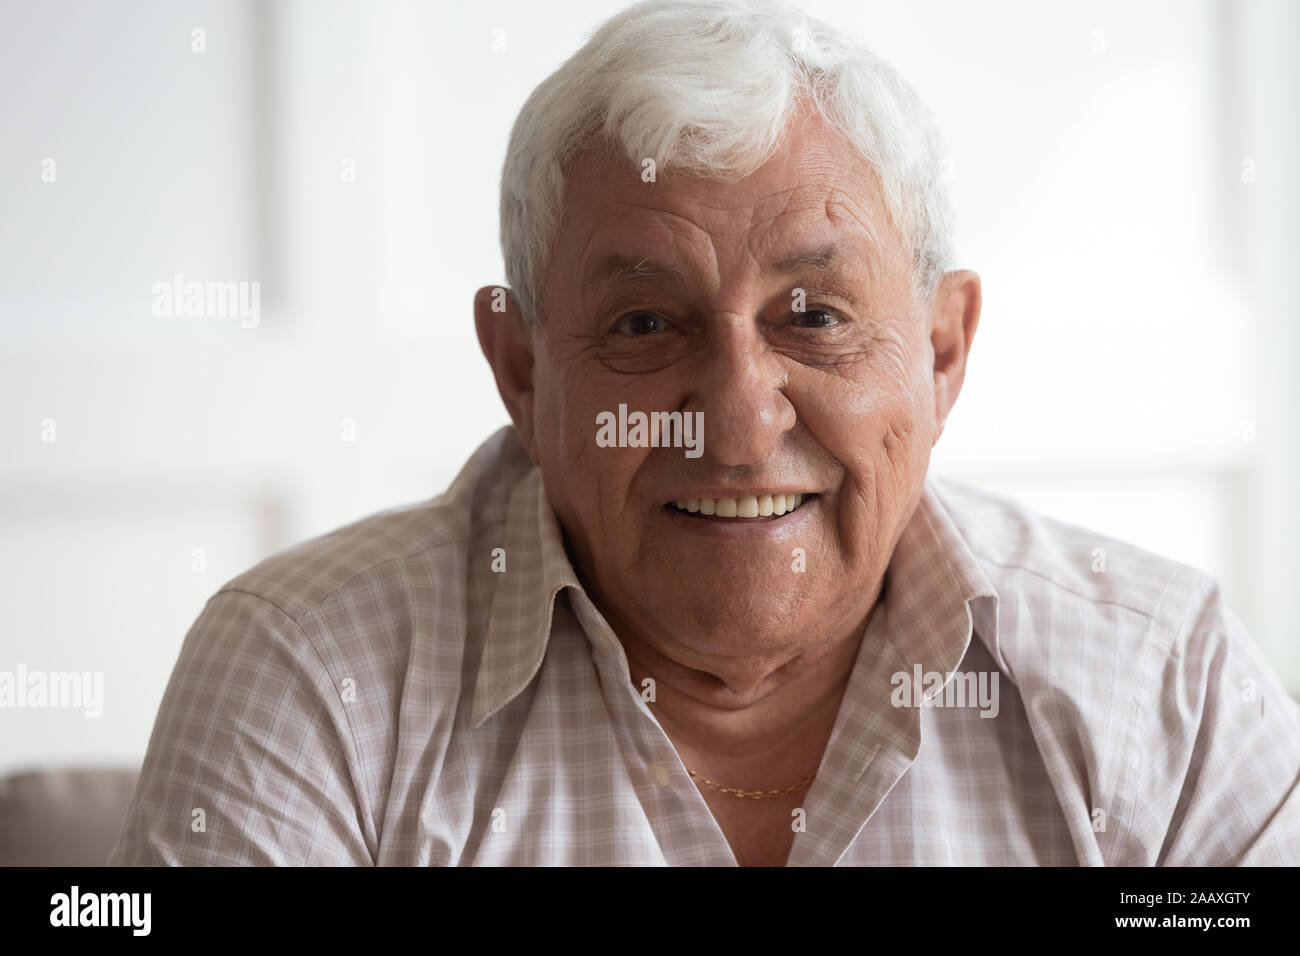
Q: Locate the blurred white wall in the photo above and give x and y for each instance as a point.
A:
(1124, 176)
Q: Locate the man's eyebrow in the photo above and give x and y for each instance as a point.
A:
(625, 269)
(822, 258)
(618, 268)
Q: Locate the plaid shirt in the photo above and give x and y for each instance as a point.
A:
(386, 694)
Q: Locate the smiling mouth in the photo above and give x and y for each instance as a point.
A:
(749, 507)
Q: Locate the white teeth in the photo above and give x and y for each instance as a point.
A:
(750, 506)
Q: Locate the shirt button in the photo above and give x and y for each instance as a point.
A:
(658, 774)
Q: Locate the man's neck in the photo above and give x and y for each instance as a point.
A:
(752, 722)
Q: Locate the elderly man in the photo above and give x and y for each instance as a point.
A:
(701, 605)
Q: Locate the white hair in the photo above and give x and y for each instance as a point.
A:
(708, 87)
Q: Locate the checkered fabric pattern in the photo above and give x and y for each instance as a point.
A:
(381, 696)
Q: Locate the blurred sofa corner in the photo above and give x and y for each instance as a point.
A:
(68, 816)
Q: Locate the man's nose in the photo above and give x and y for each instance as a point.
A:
(740, 389)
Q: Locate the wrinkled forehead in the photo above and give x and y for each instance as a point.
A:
(815, 204)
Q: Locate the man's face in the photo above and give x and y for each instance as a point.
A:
(836, 402)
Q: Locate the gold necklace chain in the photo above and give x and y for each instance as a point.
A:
(753, 794)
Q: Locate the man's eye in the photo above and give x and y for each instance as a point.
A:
(640, 323)
(817, 319)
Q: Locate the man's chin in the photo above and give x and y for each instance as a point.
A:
(715, 614)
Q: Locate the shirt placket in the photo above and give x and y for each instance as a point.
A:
(871, 747)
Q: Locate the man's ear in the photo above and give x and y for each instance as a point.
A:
(954, 316)
(507, 344)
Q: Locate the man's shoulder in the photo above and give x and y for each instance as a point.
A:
(393, 542)
(402, 550)
(1144, 691)
(1024, 551)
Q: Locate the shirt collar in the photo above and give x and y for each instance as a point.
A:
(934, 599)
(537, 569)
(936, 593)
